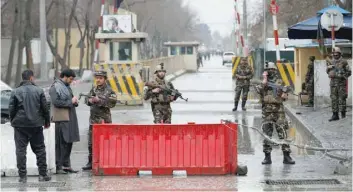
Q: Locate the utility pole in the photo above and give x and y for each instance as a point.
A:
(264, 33)
(43, 41)
(245, 24)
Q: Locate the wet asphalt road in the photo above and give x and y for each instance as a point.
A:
(210, 94)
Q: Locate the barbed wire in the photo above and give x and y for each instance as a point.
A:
(290, 142)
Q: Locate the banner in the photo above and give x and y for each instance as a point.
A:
(117, 24)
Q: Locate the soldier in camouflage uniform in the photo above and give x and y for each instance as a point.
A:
(243, 75)
(309, 81)
(338, 71)
(160, 102)
(103, 98)
(273, 116)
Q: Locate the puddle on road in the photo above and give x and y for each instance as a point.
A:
(250, 141)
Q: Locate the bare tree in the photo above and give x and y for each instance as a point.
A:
(63, 59)
(81, 43)
(13, 42)
(28, 35)
(345, 4)
(21, 42)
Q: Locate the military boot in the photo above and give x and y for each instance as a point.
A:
(343, 114)
(235, 106)
(45, 177)
(287, 159)
(243, 103)
(89, 164)
(23, 179)
(267, 160)
(334, 117)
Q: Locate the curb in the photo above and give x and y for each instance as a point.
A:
(175, 75)
(292, 115)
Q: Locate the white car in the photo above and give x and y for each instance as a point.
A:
(227, 57)
(5, 98)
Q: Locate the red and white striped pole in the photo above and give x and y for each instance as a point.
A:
(99, 31)
(239, 35)
(274, 10)
(236, 26)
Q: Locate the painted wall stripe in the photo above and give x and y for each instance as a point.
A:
(236, 61)
(291, 72)
(119, 79)
(110, 71)
(127, 85)
(283, 74)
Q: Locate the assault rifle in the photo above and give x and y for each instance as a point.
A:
(275, 87)
(167, 91)
(91, 96)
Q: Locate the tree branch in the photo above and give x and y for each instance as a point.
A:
(49, 7)
(4, 5)
(340, 4)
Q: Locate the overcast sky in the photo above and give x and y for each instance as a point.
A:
(218, 14)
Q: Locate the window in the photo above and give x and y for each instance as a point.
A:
(173, 50)
(190, 50)
(182, 50)
(120, 51)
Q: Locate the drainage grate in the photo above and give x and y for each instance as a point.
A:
(303, 182)
(33, 185)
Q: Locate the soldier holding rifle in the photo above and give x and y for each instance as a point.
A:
(101, 98)
(161, 93)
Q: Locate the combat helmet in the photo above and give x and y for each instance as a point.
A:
(101, 73)
(271, 65)
(159, 68)
(337, 50)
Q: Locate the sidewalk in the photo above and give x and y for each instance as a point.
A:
(336, 134)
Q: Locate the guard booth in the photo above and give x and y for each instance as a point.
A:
(186, 49)
(119, 57)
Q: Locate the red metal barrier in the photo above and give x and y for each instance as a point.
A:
(199, 149)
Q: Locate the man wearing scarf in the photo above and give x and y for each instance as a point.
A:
(63, 104)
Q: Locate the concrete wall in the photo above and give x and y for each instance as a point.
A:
(301, 61)
(172, 64)
(322, 82)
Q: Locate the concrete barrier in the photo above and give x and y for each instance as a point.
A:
(8, 152)
(171, 64)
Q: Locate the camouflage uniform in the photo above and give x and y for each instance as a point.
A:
(160, 102)
(338, 71)
(309, 81)
(99, 112)
(273, 116)
(243, 75)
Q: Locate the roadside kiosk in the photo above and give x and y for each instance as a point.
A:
(188, 50)
(119, 57)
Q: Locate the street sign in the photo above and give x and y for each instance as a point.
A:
(331, 18)
(274, 8)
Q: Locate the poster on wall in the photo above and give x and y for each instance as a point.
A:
(117, 23)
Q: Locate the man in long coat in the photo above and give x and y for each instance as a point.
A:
(63, 113)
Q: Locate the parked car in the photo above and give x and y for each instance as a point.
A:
(5, 99)
(227, 57)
